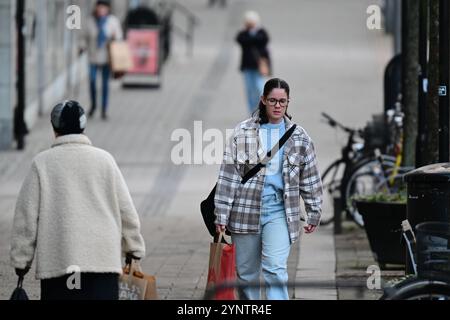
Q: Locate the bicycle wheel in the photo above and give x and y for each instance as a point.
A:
(331, 186)
(360, 184)
(395, 182)
(418, 289)
(367, 177)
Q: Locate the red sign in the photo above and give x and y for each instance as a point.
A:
(144, 47)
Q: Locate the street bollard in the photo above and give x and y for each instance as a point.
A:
(337, 217)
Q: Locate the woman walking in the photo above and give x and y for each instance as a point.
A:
(101, 28)
(263, 215)
(253, 40)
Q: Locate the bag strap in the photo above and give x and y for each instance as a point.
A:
(219, 239)
(20, 282)
(256, 53)
(269, 155)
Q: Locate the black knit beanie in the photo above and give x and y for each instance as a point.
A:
(68, 118)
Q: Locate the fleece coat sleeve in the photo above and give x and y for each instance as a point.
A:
(132, 240)
(24, 233)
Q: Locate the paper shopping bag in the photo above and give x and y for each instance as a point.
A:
(264, 67)
(136, 285)
(120, 58)
(151, 292)
(222, 268)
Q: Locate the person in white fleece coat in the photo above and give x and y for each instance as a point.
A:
(74, 210)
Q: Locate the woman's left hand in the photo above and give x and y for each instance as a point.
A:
(310, 228)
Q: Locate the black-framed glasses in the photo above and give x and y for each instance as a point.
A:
(273, 102)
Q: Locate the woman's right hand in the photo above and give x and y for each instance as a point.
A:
(220, 228)
(22, 272)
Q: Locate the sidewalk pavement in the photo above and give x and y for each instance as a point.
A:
(333, 64)
(353, 257)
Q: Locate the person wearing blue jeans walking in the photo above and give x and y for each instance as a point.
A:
(105, 74)
(253, 41)
(263, 215)
(101, 28)
(254, 85)
(273, 242)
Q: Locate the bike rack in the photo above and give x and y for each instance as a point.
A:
(407, 230)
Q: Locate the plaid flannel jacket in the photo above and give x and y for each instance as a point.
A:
(238, 206)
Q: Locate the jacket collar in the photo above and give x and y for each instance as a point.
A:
(72, 139)
(254, 122)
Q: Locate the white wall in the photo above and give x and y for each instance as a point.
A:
(6, 73)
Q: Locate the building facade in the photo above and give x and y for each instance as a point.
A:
(53, 69)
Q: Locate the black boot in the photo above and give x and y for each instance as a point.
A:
(91, 112)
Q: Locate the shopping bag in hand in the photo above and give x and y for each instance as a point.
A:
(222, 268)
(264, 67)
(19, 293)
(120, 58)
(136, 285)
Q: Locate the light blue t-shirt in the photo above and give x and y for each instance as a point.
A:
(270, 134)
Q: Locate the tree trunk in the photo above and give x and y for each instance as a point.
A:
(432, 121)
(423, 74)
(410, 49)
(444, 73)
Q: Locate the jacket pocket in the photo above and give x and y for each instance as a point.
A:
(294, 168)
(242, 163)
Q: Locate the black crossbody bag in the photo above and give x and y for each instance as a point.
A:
(207, 206)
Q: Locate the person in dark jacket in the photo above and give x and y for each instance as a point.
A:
(253, 41)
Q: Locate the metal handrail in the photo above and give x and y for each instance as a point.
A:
(192, 22)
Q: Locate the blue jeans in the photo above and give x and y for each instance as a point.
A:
(254, 85)
(93, 85)
(268, 250)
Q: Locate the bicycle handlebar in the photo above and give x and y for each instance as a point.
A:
(329, 118)
(333, 123)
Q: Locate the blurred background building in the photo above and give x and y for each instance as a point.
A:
(52, 68)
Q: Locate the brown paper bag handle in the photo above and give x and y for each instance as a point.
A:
(216, 252)
(134, 268)
(221, 234)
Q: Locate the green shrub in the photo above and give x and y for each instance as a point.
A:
(399, 197)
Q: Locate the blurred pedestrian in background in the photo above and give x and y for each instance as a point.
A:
(101, 28)
(255, 59)
(74, 210)
(264, 214)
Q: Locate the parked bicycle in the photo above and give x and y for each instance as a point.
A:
(356, 161)
(376, 176)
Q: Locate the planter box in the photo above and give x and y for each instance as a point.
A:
(382, 222)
